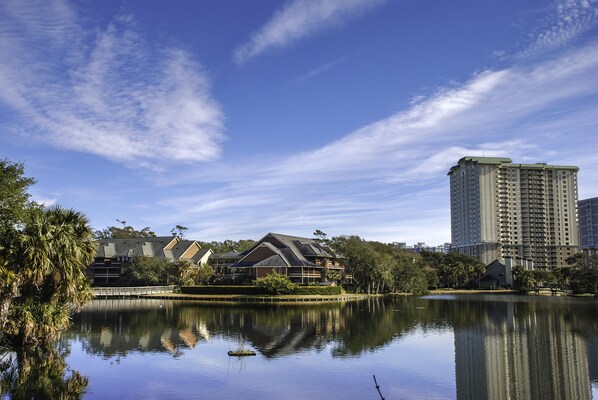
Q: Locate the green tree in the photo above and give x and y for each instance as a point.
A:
(456, 270)
(228, 245)
(144, 270)
(524, 279)
(147, 271)
(176, 271)
(276, 283)
(14, 197)
(409, 273)
(321, 237)
(334, 276)
(114, 232)
(179, 231)
(584, 276)
(200, 275)
(370, 264)
(47, 257)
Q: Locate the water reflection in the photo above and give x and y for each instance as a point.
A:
(504, 347)
(37, 374)
(524, 351)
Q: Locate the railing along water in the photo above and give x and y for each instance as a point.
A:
(105, 292)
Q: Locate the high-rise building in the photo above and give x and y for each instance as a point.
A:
(520, 211)
(588, 225)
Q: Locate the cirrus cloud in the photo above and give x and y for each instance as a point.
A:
(105, 90)
(300, 18)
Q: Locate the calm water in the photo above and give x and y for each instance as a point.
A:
(435, 347)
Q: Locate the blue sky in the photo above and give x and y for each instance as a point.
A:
(237, 118)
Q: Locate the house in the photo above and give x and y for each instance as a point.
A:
(499, 273)
(302, 260)
(114, 255)
(221, 264)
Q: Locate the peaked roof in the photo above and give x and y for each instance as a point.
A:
(288, 251)
(161, 247)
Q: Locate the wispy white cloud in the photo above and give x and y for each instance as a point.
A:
(387, 180)
(570, 19)
(105, 91)
(319, 70)
(298, 19)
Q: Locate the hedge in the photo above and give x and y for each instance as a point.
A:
(254, 290)
(217, 289)
(321, 290)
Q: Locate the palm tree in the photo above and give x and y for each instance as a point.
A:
(50, 254)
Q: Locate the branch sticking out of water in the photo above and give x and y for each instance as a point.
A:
(378, 388)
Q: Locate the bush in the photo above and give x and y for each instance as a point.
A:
(275, 283)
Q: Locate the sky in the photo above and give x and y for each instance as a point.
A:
(237, 118)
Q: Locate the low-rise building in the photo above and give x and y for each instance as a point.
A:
(114, 255)
(302, 260)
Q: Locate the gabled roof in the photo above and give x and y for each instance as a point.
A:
(287, 251)
(227, 255)
(200, 254)
(162, 247)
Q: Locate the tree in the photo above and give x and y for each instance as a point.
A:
(176, 271)
(524, 279)
(179, 231)
(584, 277)
(369, 263)
(127, 231)
(228, 245)
(14, 198)
(455, 269)
(276, 283)
(198, 275)
(47, 257)
(409, 274)
(144, 270)
(321, 237)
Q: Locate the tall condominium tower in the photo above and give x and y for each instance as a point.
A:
(519, 211)
(588, 225)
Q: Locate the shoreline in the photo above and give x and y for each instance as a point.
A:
(286, 299)
(261, 299)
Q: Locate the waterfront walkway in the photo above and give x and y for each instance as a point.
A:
(139, 291)
(260, 299)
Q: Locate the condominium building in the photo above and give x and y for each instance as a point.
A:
(588, 225)
(520, 211)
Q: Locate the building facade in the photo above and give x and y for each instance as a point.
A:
(587, 210)
(115, 255)
(302, 260)
(520, 211)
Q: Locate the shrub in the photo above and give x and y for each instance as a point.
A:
(276, 284)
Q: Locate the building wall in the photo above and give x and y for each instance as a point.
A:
(588, 224)
(500, 209)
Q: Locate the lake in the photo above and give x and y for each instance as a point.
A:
(432, 347)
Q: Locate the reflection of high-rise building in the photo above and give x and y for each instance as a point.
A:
(534, 358)
(527, 211)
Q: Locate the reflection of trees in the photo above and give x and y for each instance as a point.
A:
(111, 327)
(37, 374)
